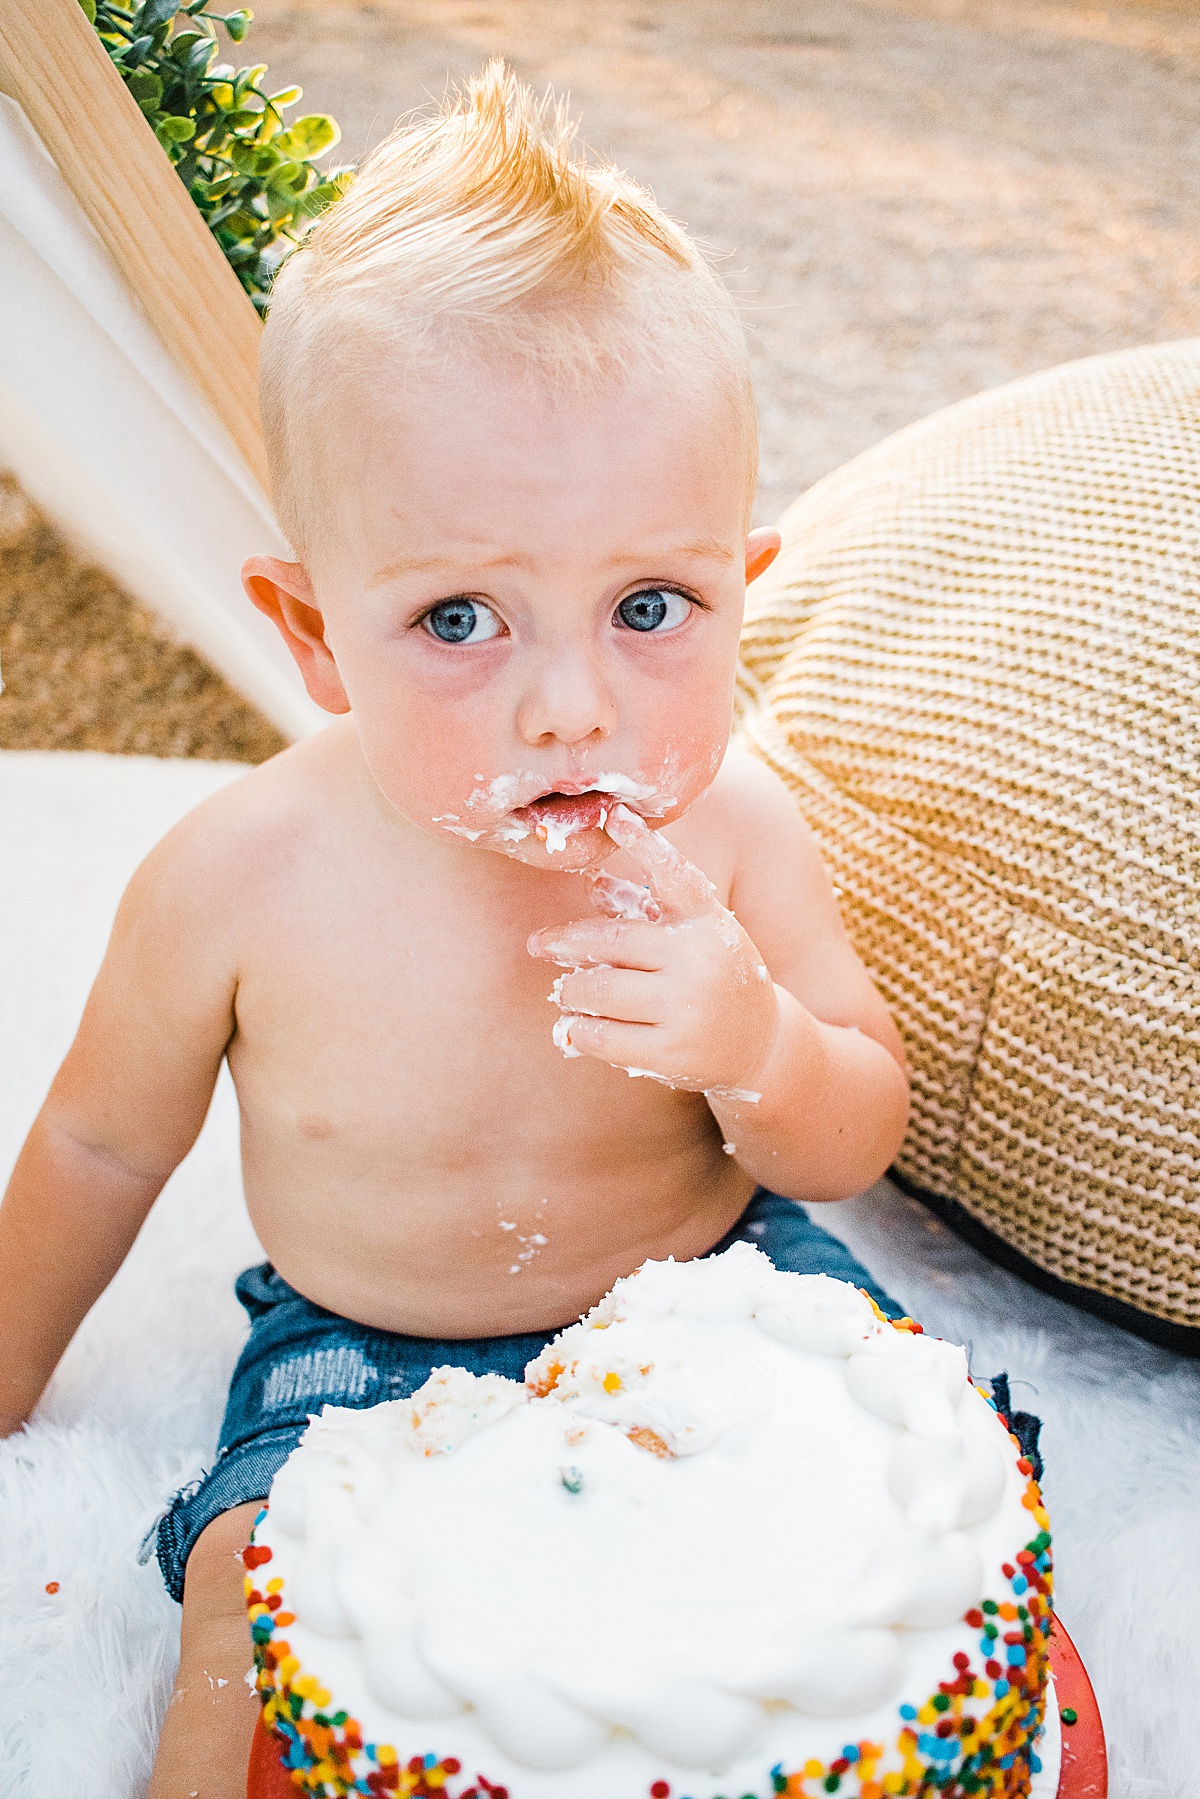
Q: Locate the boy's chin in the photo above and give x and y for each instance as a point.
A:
(582, 850)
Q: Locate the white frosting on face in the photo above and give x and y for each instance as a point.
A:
(494, 799)
(488, 811)
(732, 1520)
(557, 832)
(650, 801)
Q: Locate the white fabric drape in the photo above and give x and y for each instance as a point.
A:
(109, 437)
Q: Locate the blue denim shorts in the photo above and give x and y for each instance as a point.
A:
(299, 1357)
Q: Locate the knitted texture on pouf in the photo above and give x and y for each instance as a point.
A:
(976, 664)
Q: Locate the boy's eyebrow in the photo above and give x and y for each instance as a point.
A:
(705, 549)
(708, 549)
(416, 565)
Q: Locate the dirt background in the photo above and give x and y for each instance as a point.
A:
(913, 200)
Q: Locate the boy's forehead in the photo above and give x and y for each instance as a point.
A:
(467, 459)
(402, 400)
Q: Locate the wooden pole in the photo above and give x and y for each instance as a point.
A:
(56, 69)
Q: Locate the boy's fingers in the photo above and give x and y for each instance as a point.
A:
(677, 884)
(624, 994)
(619, 942)
(621, 899)
(628, 1046)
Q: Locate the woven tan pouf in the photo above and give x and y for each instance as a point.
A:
(977, 665)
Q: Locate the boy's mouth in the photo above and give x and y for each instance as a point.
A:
(556, 816)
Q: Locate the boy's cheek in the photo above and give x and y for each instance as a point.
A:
(425, 758)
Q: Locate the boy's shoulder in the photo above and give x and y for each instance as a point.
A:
(230, 843)
(747, 809)
(747, 800)
(745, 784)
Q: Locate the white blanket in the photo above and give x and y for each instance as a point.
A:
(135, 1407)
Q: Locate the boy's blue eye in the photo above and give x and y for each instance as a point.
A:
(461, 621)
(654, 609)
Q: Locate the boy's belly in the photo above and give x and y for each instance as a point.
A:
(497, 1230)
(419, 1156)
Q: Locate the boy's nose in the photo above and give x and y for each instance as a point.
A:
(566, 700)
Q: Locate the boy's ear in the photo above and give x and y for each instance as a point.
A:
(762, 547)
(284, 592)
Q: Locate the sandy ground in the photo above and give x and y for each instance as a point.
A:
(86, 668)
(913, 199)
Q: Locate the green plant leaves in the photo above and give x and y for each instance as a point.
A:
(255, 160)
(314, 202)
(309, 137)
(252, 176)
(289, 178)
(153, 14)
(171, 129)
(146, 89)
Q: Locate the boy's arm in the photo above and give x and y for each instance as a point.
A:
(766, 1008)
(125, 1108)
(834, 1083)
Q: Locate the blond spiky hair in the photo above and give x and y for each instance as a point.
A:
(480, 230)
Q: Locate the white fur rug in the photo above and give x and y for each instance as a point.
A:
(135, 1406)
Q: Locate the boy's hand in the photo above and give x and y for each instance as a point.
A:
(679, 992)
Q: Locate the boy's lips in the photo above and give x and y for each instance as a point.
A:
(556, 816)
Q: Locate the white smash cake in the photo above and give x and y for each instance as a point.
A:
(737, 1535)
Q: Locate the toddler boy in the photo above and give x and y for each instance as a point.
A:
(512, 439)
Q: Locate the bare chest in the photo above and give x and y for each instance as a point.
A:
(415, 1011)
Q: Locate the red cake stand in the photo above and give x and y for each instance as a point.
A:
(1084, 1761)
(1084, 1758)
